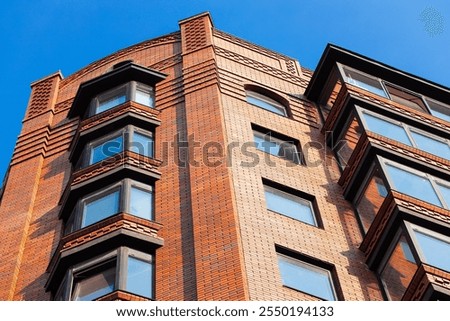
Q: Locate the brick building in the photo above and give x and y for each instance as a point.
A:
(199, 166)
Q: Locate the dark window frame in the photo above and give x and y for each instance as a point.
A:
(314, 263)
(118, 258)
(269, 97)
(407, 229)
(75, 219)
(385, 84)
(434, 181)
(278, 137)
(311, 199)
(127, 133)
(409, 129)
(129, 90)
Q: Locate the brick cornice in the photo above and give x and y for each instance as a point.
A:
(425, 277)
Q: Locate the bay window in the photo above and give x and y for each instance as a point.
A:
(133, 90)
(123, 269)
(127, 196)
(129, 138)
(395, 93)
(406, 134)
(412, 246)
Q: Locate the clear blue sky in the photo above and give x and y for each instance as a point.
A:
(42, 36)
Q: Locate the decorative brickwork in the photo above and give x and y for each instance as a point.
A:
(170, 38)
(130, 106)
(424, 277)
(40, 97)
(257, 65)
(195, 35)
(121, 160)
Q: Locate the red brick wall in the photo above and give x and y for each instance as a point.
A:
(219, 238)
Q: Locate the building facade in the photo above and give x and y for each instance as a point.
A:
(199, 166)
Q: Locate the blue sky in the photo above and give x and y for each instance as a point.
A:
(42, 36)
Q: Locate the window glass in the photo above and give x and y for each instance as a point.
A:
(387, 129)
(100, 207)
(439, 109)
(264, 143)
(111, 99)
(289, 205)
(404, 97)
(399, 270)
(142, 144)
(445, 192)
(435, 251)
(265, 102)
(431, 145)
(364, 81)
(139, 277)
(141, 203)
(371, 199)
(106, 149)
(347, 145)
(144, 96)
(94, 286)
(306, 278)
(414, 185)
(277, 147)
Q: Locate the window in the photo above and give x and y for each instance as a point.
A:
(144, 95)
(133, 90)
(395, 93)
(94, 283)
(130, 138)
(344, 148)
(432, 247)
(399, 269)
(438, 109)
(306, 277)
(105, 148)
(406, 134)
(415, 184)
(413, 245)
(405, 97)
(364, 81)
(126, 196)
(123, 269)
(290, 205)
(283, 147)
(142, 143)
(139, 276)
(371, 198)
(96, 208)
(110, 99)
(265, 102)
(387, 128)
